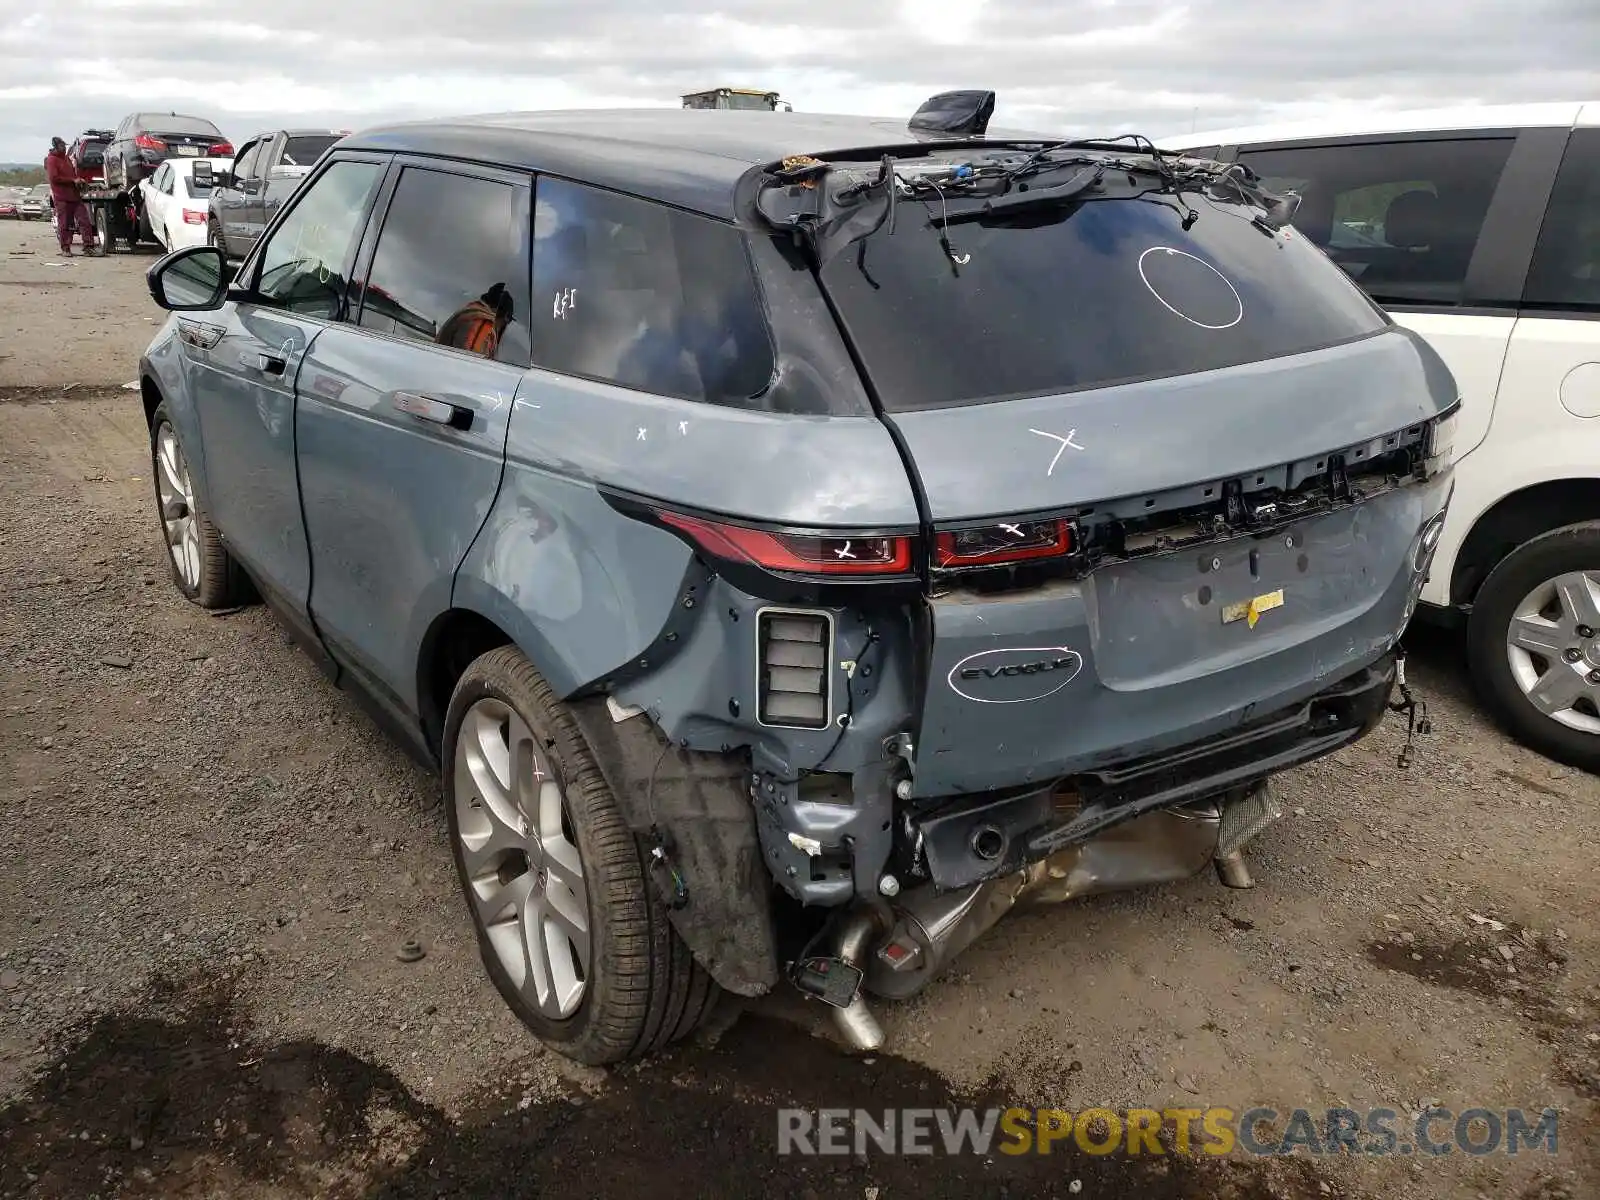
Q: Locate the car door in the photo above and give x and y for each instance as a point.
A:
(158, 201)
(1551, 381)
(232, 202)
(402, 417)
(254, 215)
(248, 359)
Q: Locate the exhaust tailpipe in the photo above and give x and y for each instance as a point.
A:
(856, 1023)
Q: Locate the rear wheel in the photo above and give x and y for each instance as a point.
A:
(1533, 644)
(102, 227)
(570, 931)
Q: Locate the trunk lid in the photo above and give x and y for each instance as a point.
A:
(1143, 375)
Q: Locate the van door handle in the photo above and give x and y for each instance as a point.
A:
(269, 364)
(428, 408)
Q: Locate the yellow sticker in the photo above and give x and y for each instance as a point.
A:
(1250, 610)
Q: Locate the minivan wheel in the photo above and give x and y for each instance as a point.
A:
(1533, 644)
(570, 931)
(201, 566)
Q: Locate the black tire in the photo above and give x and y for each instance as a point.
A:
(214, 235)
(643, 988)
(1572, 548)
(102, 227)
(222, 583)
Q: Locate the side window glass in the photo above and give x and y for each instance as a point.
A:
(303, 265)
(637, 294)
(245, 163)
(1402, 218)
(450, 267)
(1565, 272)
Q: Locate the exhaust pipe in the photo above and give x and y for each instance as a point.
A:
(856, 1023)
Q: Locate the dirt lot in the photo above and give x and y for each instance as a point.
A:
(208, 859)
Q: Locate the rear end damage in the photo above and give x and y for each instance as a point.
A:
(1130, 599)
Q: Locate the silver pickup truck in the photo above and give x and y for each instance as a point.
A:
(266, 171)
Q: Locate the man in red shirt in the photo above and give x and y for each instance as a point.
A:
(70, 208)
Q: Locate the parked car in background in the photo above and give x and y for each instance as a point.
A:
(765, 575)
(31, 208)
(88, 154)
(1480, 229)
(266, 172)
(176, 199)
(9, 208)
(146, 140)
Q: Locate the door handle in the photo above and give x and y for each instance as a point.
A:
(427, 408)
(269, 364)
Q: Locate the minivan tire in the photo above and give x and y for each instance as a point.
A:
(1558, 552)
(642, 988)
(221, 583)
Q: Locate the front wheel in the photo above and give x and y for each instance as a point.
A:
(214, 236)
(570, 931)
(102, 227)
(1533, 644)
(202, 568)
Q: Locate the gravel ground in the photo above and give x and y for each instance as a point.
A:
(209, 858)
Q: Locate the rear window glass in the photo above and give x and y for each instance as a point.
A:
(1057, 299)
(633, 293)
(303, 150)
(1566, 265)
(159, 123)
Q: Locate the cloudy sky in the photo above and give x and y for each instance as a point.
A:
(1069, 65)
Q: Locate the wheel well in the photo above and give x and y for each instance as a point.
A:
(1513, 520)
(455, 639)
(151, 395)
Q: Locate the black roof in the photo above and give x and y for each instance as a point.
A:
(691, 158)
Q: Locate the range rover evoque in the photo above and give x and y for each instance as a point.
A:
(798, 540)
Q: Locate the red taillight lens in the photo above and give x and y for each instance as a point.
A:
(145, 142)
(191, 217)
(221, 150)
(1003, 542)
(804, 554)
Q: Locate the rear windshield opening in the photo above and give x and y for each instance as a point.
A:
(1064, 298)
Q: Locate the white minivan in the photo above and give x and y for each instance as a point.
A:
(1479, 228)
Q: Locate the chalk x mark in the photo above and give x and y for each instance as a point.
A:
(1065, 442)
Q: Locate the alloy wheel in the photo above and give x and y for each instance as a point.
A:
(520, 856)
(1553, 647)
(177, 507)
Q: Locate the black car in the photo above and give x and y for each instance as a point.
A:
(146, 140)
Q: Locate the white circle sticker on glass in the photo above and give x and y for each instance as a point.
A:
(1190, 288)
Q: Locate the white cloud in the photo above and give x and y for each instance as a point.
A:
(1072, 65)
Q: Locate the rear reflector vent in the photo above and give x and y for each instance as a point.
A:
(796, 653)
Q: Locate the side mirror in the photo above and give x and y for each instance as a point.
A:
(189, 280)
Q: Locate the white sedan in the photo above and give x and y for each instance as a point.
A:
(175, 203)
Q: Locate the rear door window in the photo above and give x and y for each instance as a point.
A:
(1565, 272)
(305, 263)
(637, 294)
(467, 290)
(1401, 218)
(302, 150)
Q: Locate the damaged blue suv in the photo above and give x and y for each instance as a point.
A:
(799, 540)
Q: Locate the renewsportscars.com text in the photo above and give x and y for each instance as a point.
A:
(1148, 1131)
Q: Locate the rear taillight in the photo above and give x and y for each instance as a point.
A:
(145, 142)
(1003, 542)
(796, 648)
(221, 150)
(797, 553)
(192, 217)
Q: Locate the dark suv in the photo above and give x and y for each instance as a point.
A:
(798, 542)
(146, 140)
